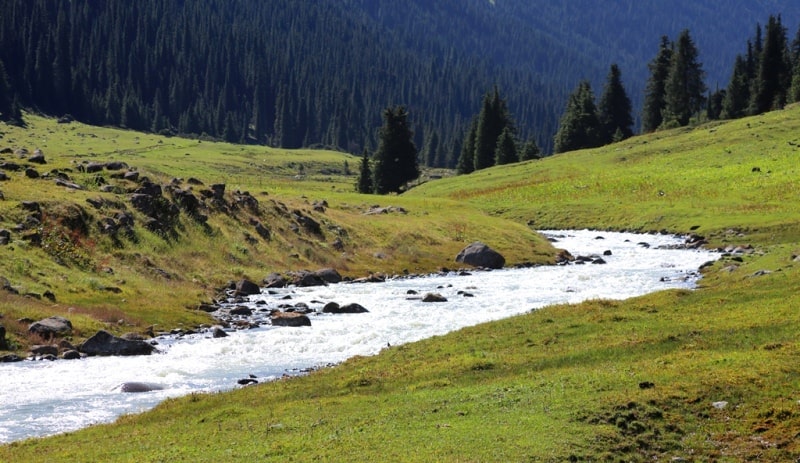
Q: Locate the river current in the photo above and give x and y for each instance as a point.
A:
(40, 398)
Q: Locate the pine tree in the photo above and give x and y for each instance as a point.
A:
(654, 94)
(396, 158)
(614, 109)
(466, 159)
(773, 78)
(364, 184)
(530, 151)
(506, 151)
(579, 127)
(685, 87)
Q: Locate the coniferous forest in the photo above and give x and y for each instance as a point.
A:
(294, 73)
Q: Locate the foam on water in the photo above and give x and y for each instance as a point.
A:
(43, 398)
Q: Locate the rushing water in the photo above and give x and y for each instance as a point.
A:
(39, 398)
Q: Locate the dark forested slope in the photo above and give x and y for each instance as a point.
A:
(301, 73)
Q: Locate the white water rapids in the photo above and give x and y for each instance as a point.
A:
(39, 398)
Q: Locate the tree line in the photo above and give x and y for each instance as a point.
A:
(283, 73)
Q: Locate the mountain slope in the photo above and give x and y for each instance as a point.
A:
(318, 73)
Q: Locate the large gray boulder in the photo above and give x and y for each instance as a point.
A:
(478, 254)
(246, 288)
(328, 275)
(104, 343)
(51, 327)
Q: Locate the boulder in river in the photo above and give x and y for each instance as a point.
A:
(333, 307)
(290, 319)
(434, 297)
(104, 343)
(246, 288)
(136, 386)
(478, 254)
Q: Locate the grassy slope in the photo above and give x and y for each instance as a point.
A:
(199, 260)
(564, 381)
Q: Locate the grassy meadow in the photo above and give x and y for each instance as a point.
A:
(163, 278)
(704, 375)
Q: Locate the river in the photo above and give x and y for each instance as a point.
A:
(40, 398)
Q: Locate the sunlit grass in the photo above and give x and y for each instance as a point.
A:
(633, 380)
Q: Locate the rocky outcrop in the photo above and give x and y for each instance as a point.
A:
(104, 343)
(3, 341)
(480, 255)
(51, 327)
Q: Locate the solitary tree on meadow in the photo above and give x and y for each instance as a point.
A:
(395, 162)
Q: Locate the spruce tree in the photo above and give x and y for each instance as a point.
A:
(579, 127)
(773, 77)
(493, 118)
(364, 184)
(655, 92)
(737, 96)
(614, 109)
(396, 158)
(506, 151)
(715, 103)
(685, 87)
(466, 159)
(5, 95)
(530, 151)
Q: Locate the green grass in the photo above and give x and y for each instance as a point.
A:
(163, 278)
(562, 383)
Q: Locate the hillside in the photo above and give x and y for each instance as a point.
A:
(118, 225)
(706, 375)
(293, 73)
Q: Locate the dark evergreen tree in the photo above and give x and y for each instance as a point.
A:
(364, 184)
(466, 159)
(492, 120)
(396, 158)
(794, 88)
(654, 99)
(432, 156)
(530, 151)
(506, 151)
(6, 98)
(773, 78)
(614, 109)
(737, 96)
(685, 86)
(715, 104)
(579, 127)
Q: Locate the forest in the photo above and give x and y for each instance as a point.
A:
(320, 74)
